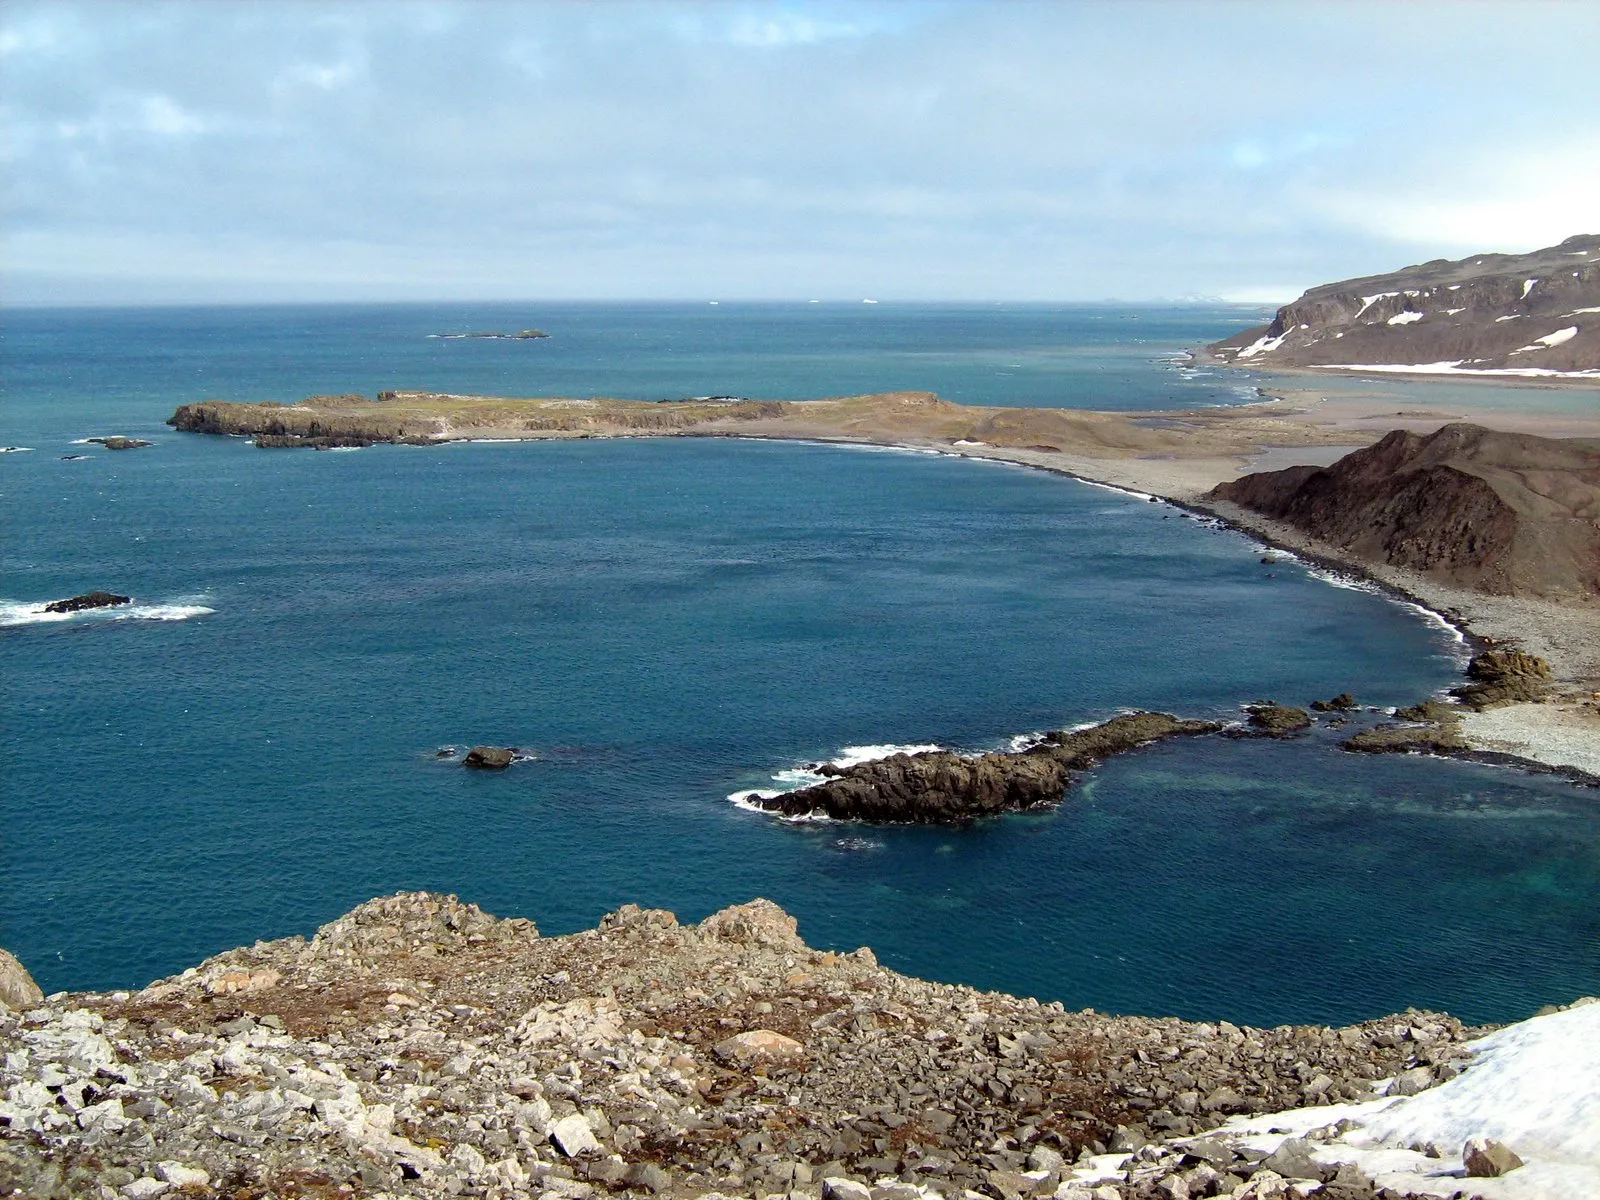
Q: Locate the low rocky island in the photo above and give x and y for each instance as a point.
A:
(940, 787)
(420, 1047)
(87, 601)
(522, 335)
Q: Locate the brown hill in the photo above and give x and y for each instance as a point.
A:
(1535, 313)
(1508, 514)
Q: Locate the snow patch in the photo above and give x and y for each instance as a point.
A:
(1262, 345)
(1368, 301)
(1550, 339)
(1578, 312)
(1455, 368)
(1512, 317)
(1405, 318)
(1527, 286)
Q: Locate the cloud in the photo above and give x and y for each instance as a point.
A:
(763, 149)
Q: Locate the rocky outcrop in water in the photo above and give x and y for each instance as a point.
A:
(489, 758)
(940, 787)
(1537, 312)
(87, 601)
(420, 1047)
(1508, 514)
(1273, 720)
(119, 443)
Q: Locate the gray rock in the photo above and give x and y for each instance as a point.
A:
(573, 1137)
(489, 758)
(1486, 1158)
(17, 988)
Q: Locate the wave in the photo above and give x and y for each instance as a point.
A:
(792, 779)
(15, 449)
(15, 613)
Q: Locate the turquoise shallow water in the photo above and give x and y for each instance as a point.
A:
(665, 623)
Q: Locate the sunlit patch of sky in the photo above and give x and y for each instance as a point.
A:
(943, 150)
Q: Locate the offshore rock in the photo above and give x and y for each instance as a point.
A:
(1343, 702)
(117, 442)
(87, 601)
(1273, 720)
(489, 758)
(17, 988)
(940, 787)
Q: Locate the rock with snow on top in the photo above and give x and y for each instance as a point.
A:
(1486, 1158)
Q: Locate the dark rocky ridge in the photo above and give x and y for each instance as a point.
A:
(941, 787)
(1477, 312)
(1503, 513)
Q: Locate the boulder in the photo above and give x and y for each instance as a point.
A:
(120, 443)
(573, 1137)
(1486, 1158)
(758, 1045)
(489, 758)
(1504, 677)
(17, 988)
(87, 601)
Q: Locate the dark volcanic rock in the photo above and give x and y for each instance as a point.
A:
(489, 758)
(1275, 720)
(120, 443)
(1505, 513)
(86, 601)
(284, 441)
(1488, 312)
(939, 787)
(1343, 702)
(1504, 677)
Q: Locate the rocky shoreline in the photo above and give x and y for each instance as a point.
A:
(419, 1047)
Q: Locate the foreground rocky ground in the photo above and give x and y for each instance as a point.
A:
(420, 1047)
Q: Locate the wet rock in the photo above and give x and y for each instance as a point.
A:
(119, 443)
(940, 787)
(87, 601)
(1274, 720)
(1343, 702)
(489, 758)
(1486, 1158)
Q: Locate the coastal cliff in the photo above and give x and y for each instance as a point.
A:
(418, 1046)
(1505, 514)
(1535, 315)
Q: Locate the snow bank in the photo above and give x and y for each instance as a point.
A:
(1534, 1086)
(1404, 318)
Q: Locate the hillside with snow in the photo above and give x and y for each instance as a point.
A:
(1533, 315)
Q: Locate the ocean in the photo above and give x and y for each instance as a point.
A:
(252, 747)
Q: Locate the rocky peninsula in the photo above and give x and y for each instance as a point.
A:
(420, 1047)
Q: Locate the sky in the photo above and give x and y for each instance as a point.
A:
(289, 150)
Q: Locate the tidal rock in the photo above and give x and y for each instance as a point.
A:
(17, 988)
(1343, 702)
(941, 787)
(1504, 677)
(489, 758)
(120, 443)
(87, 601)
(1486, 1158)
(1272, 720)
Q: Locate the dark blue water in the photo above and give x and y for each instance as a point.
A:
(666, 623)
